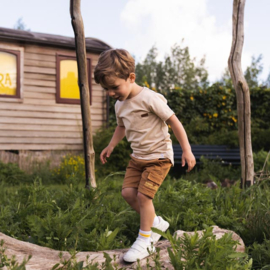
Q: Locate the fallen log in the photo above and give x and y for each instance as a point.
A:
(45, 258)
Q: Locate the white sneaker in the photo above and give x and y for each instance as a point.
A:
(163, 225)
(139, 250)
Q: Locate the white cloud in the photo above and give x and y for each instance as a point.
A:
(165, 23)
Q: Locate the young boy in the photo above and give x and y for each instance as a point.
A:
(142, 116)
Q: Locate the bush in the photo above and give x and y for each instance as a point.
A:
(260, 254)
(12, 175)
(260, 159)
(191, 252)
(118, 160)
(70, 170)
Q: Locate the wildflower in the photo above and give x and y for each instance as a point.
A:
(146, 84)
(223, 103)
(224, 97)
(234, 119)
(215, 115)
(191, 98)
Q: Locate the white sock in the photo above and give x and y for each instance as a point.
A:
(156, 221)
(145, 235)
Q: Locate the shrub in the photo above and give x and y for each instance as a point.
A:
(191, 252)
(119, 158)
(260, 254)
(12, 175)
(70, 170)
(260, 159)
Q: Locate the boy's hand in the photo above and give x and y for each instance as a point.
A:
(106, 153)
(188, 157)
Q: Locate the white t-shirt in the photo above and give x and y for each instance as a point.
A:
(143, 117)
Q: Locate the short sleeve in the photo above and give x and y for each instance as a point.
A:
(119, 120)
(158, 105)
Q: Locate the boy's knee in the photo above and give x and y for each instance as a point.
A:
(128, 194)
(143, 198)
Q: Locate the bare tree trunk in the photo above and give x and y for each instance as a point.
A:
(89, 153)
(242, 94)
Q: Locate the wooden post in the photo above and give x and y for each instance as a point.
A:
(89, 153)
(242, 95)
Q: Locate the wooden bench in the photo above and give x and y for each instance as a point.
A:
(222, 153)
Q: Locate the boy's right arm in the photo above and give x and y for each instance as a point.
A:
(118, 135)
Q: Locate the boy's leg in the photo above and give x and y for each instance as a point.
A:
(147, 212)
(130, 196)
(151, 180)
(153, 175)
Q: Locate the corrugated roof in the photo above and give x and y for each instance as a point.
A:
(92, 44)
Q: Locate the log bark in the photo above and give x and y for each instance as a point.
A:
(89, 153)
(45, 258)
(242, 95)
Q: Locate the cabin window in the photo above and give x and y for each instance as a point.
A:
(67, 80)
(9, 73)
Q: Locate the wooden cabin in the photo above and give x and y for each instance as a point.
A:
(40, 114)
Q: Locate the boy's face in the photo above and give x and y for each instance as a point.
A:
(118, 88)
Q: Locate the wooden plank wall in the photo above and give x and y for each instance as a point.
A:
(37, 122)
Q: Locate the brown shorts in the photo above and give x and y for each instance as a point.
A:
(146, 175)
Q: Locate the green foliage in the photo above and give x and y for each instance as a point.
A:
(260, 254)
(70, 170)
(253, 71)
(207, 110)
(206, 252)
(11, 174)
(261, 161)
(210, 117)
(177, 70)
(119, 158)
(70, 217)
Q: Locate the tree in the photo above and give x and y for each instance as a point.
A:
(242, 94)
(178, 70)
(253, 71)
(20, 25)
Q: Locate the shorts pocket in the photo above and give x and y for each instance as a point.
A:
(156, 177)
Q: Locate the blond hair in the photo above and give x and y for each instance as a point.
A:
(113, 63)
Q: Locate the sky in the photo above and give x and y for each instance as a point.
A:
(205, 26)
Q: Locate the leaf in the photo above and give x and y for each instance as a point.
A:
(237, 255)
(55, 266)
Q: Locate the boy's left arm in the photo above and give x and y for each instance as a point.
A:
(180, 134)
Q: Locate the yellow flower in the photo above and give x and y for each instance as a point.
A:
(234, 119)
(224, 97)
(146, 84)
(215, 115)
(201, 91)
(191, 98)
(223, 103)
